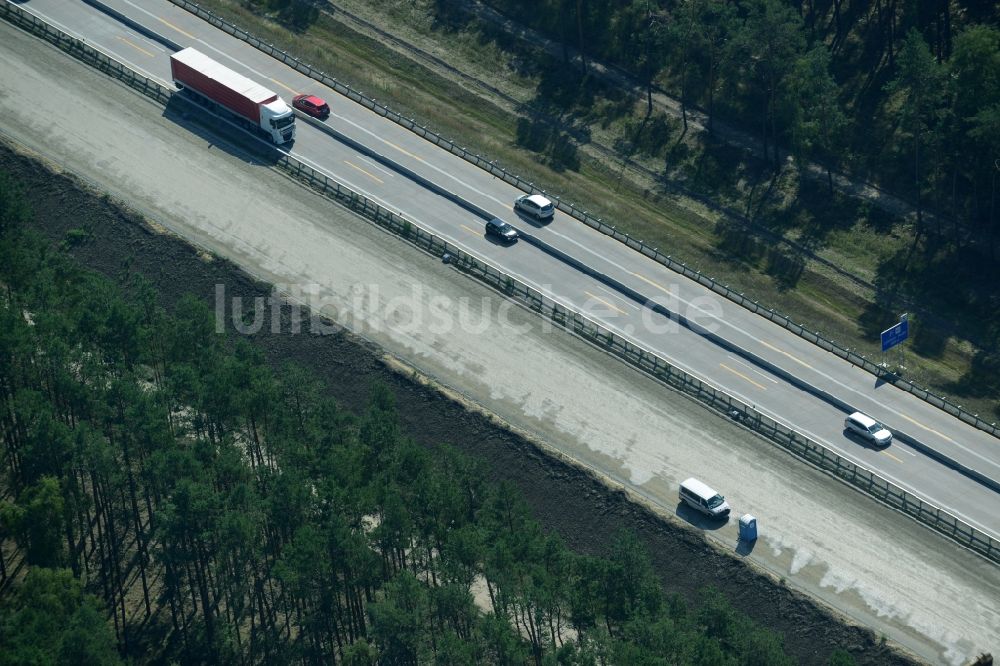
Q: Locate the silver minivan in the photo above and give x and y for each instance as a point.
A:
(868, 428)
(700, 497)
(536, 206)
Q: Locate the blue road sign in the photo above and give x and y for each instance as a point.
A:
(893, 336)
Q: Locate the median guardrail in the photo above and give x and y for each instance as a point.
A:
(135, 25)
(577, 323)
(84, 52)
(492, 167)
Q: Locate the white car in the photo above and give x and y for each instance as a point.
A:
(535, 205)
(869, 428)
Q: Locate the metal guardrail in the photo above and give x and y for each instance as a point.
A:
(643, 359)
(497, 171)
(84, 52)
(134, 25)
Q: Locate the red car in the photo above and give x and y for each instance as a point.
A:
(312, 105)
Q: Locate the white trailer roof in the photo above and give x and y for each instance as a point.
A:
(227, 77)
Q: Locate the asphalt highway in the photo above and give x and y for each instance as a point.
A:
(739, 375)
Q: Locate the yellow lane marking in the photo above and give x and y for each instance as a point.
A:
(137, 48)
(291, 90)
(893, 457)
(469, 229)
(753, 369)
(918, 423)
(740, 374)
(781, 351)
(650, 282)
(370, 175)
(607, 303)
(171, 25)
(624, 302)
(405, 152)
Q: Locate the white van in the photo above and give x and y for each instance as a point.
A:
(699, 496)
(869, 428)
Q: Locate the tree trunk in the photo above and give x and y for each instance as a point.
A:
(891, 42)
(763, 127)
(954, 205)
(684, 88)
(711, 94)
(140, 536)
(207, 607)
(837, 24)
(946, 8)
(993, 207)
(173, 597)
(774, 125)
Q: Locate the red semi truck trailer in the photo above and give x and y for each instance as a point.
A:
(260, 108)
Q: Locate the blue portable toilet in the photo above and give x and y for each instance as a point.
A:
(748, 527)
